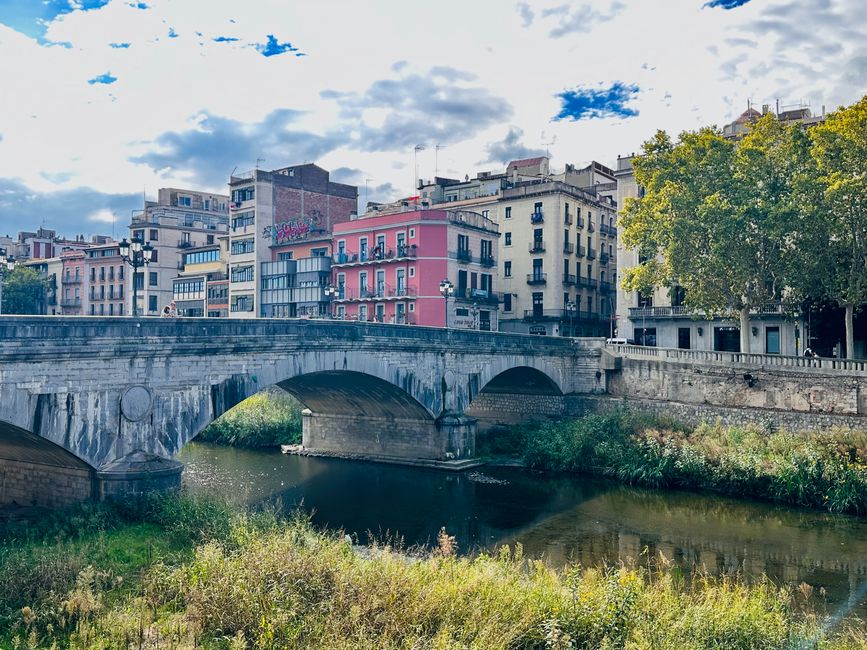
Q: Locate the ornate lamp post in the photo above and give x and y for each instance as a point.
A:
(446, 289)
(137, 254)
(6, 263)
(331, 293)
(570, 309)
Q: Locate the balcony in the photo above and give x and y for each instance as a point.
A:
(682, 311)
(185, 244)
(70, 302)
(569, 278)
(72, 280)
(478, 295)
(575, 315)
(580, 251)
(538, 246)
(537, 217)
(612, 231)
(603, 258)
(579, 221)
(463, 255)
(567, 219)
(487, 260)
(589, 283)
(591, 254)
(603, 229)
(605, 286)
(590, 226)
(382, 292)
(537, 278)
(568, 248)
(400, 253)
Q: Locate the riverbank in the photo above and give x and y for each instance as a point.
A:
(820, 470)
(184, 572)
(268, 419)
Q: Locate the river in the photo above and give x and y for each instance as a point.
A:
(559, 518)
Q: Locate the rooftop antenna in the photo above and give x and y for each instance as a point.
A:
(418, 147)
(437, 160)
(547, 145)
(258, 160)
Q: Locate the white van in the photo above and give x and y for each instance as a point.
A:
(617, 341)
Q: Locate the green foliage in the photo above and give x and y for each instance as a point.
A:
(267, 419)
(265, 582)
(23, 291)
(820, 470)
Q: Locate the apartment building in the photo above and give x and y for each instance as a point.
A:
(388, 268)
(276, 216)
(73, 296)
(660, 318)
(106, 283)
(178, 221)
(201, 288)
(795, 114)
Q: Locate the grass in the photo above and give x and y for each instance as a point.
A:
(821, 470)
(229, 579)
(267, 419)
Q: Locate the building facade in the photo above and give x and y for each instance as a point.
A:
(73, 294)
(201, 288)
(660, 318)
(388, 268)
(179, 221)
(279, 216)
(106, 281)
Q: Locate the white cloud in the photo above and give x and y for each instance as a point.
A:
(692, 66)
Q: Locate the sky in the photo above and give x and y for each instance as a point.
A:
(105, 101)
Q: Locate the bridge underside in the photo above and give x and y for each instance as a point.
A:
(352, 413)
(36, 472)
(515, 396)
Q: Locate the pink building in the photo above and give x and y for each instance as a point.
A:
(72, 283)
(388, 268)
(105, 281)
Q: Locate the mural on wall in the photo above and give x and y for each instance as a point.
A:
(294, 229)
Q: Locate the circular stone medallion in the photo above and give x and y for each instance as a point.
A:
(135, 403)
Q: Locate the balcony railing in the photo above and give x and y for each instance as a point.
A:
(537, 246)
(537, 217)
(568, 248)
(567, 219)
(590, 283)
(487, 260)
(575, 315)
(399, 253)
(72, 280)
(612, 230)
(591, 254)
(537, 278)
(463, 255)
(579, 221)
(185, 244)
(603, 228)
(680, 311)
(580, 251)
(383, 292)
(70, 302)
(590, 226)
(569, 278)
(605, 286)
(478, 295)
(603, 258)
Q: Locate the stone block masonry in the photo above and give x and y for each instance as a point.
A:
(49, 486)
(493, 410)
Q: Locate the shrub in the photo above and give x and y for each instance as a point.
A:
(267, 419)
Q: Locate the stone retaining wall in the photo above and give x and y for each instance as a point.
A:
(50, 486)
(500, 409)
(695, 414)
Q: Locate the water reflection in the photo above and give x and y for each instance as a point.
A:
(563, 519)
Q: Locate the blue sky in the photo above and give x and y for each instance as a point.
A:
(116, 98)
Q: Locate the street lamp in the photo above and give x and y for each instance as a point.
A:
(570, 310)
(7, 263)
(475, 312)
(446, 289)
(137, 254)
(331, 293)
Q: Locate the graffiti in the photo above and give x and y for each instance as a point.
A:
(289, 230)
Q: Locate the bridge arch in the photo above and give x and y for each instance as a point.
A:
(35, 471)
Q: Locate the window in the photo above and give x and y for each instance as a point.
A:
(362, 249)
(319, 252)
(362, 280)
(507, 270)
(138, 234)
(507, 302)
(92, 309)
(287, 255)
(244, 194)
(243, 219)
(154, 257)
(508, 239)
(486, 214)
(209, 239)
(412, 233)
(111, 309)
(683, 338)
(93, 274)
(185, 201)
(400, 240)
(242, 274)
(509, 212)
(537, 267)
(155, 235)
(239, 247)
(412, 271)
(101, 309)
(463, 243)
(153, 279)
(200, 257)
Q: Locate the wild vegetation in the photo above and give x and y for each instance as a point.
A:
(183, 572)
(821, 470)
(267, 419)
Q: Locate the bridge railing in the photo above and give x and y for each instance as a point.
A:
(737, 358)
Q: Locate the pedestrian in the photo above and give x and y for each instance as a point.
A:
(173, 309)
(166, 312)
(808, 353)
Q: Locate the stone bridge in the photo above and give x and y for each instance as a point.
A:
(94, 407)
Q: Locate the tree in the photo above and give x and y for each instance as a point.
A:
(717, 218)
(840, 151)
(23, 291)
